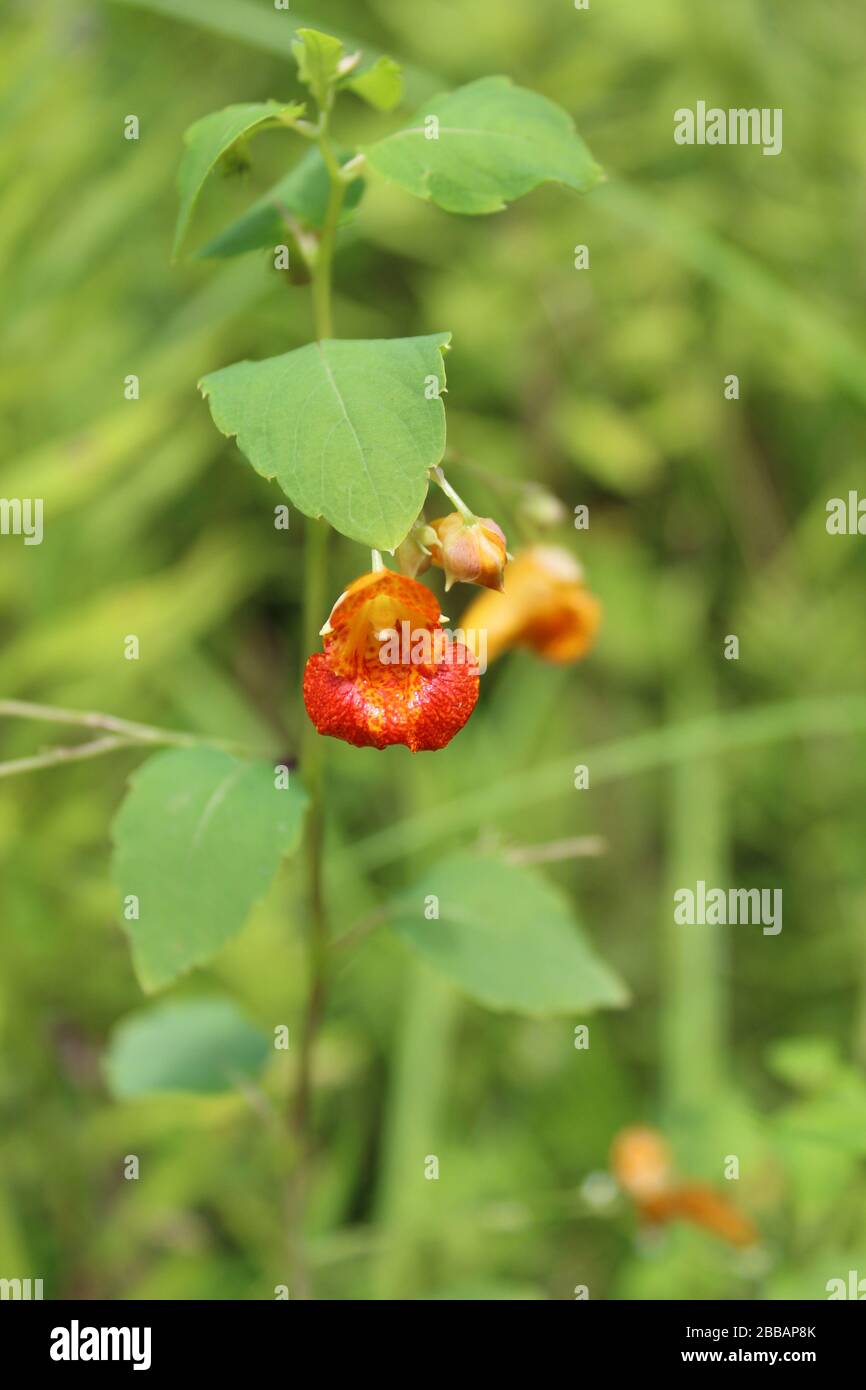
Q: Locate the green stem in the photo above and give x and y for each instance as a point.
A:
(453, 496)
(693, 971)
(312, 767)
(708, 736)
(407, 1212)
(322, 269)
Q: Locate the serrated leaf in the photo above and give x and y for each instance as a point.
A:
(381, 85)
(495, 143)
(212, 138)
(317, 56)
(507, 937)
(198, 1045)
(344, 426)
(198, 841)
(302, 192)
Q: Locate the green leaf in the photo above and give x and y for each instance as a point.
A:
(302, 192)
(345, 427)
(197, 842)
(495, 143)
(507, 937)
(380, 86)
(318, 58)
(807, 1063)
(215, 138)
(203, 1045)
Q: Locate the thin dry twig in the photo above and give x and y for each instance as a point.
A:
(53, 757)
(579, 847)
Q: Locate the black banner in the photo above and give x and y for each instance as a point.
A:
(80, 1339)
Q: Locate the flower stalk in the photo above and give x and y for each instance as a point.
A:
(312, 762)
(324, 259)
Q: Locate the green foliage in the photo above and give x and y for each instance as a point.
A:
(318, 58)
(218, 138)
(199, 1045)
(808, 1064)
(198, 841)
(346, 428)
(303, 192)
(381, 85)
(494, 142)
(704, 261)
(831, 1109)
(507, 937)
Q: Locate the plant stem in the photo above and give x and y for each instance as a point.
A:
(693, 969)
(91, 719)
(120, 733)
(714, 735)
(406, 1213)
(52, 757)
(443, 483)
(322, 269)
(312, 766)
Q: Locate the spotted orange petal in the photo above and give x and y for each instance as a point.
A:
(421, 699)
(544, 606)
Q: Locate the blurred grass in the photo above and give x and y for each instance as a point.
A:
(607, 386)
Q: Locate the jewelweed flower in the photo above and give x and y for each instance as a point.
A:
(641, 1161)
(356, 691)
(470, 550)
(544, 606)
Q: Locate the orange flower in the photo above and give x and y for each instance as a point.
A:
(470, 550)
(544, 606)
(641, 1161)
(389, 673)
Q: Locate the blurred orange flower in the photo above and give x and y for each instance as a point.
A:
(544, 606)
(388, 673)
(642, 1164)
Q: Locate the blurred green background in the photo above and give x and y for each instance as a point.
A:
(707, 518)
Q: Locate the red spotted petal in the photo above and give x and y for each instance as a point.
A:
(421, 699)
(422, 711)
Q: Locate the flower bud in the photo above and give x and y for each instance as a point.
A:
(641, 1161)
(541, 508)
(469, 550)
(414, 553)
